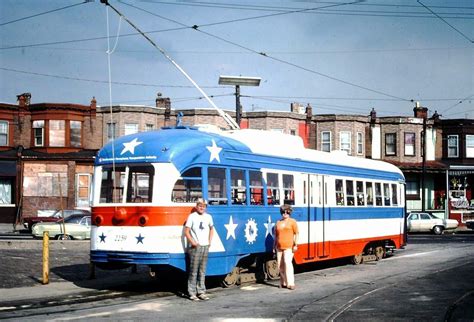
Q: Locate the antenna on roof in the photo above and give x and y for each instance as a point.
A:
(224, 115)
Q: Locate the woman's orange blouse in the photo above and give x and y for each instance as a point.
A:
(284, 233)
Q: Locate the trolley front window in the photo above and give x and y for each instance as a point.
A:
(136, 182)
(189, 187)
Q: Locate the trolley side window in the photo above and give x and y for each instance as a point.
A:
(189, 187)
(112, 185)
(216, 187)
(273, 189)
(339, 192)
(394, 195)
(350, 192)
(256, 188)
(370, 193)
(378, 194)
(238, 187)
(289, 189)
(360, 193)
(386, 194)
(140, 184)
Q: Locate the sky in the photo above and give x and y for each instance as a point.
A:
(341, 56)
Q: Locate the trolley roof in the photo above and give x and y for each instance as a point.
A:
(192, 146)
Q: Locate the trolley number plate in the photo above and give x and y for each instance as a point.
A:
(120, 238)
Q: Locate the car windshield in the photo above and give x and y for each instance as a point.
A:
(73, 219)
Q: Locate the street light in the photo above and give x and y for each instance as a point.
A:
(238, 81)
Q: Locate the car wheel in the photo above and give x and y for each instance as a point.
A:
(437, 230)
(63, 237)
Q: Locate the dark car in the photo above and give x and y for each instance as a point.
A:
(56, 216)
(470, 224)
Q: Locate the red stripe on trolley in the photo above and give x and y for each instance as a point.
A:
(140, 216)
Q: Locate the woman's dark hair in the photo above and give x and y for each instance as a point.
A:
(286, 208)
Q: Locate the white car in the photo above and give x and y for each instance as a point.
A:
(425, 222)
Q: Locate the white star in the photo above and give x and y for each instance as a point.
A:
(130, 146)
(230, 228)
(269, 226)
(215, 150)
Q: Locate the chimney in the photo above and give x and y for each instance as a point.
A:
(24, 99)
(373, 115)
(309, 113)
(93, 105)
(163, 102)
(297, 108)
(419, 111)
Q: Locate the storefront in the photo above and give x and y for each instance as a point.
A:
(8, 207)
(459, 180)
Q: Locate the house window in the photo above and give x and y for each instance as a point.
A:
(6, 191)
(345, 142)
(412, 188)
(469, 146)
(292, 132)
(76, 133)
(326, 141)
(409, 144)
(82, 189)
(3, 133)
(57, 133)
(360, 143)
(149, 127)
(111, 131)
(453, 148)
(391, 144)
(131, 128)
(38, 132)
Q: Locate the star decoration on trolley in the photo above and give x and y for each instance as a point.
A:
(230, 228)
(130, 146)
(215, 150)
(140, 239)
(269, 227)
(102, 238)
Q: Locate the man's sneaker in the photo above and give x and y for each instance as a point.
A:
(203, 297)
(194, 298)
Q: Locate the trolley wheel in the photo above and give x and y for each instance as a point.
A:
(271, 269)
(379, 253)
(437, 230)
(357, 259)
(231, 278)
(63, 237)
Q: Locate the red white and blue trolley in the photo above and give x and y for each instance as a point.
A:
(146, 184)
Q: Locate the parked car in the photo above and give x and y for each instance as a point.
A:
(56, 216)
(74, 227)
(470, 224)
(426, 222)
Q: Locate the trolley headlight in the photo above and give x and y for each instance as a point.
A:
(120, 214)
(98, 220)
(143, 220)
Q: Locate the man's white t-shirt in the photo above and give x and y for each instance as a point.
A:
(199, 226)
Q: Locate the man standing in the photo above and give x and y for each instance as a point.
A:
(198, 230)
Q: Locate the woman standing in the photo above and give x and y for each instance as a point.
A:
(286, 243)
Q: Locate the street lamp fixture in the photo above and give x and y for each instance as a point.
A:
(238, 81)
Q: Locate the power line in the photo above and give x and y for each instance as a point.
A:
(458, 103)
(197, 28)
(101, 81)
(43, 13)
(457, 30)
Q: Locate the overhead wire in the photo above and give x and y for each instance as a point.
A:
(42, 13)
(197, 28)
(457, 30)
(101, 81)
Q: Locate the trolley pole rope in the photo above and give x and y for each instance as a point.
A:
(225, 116)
